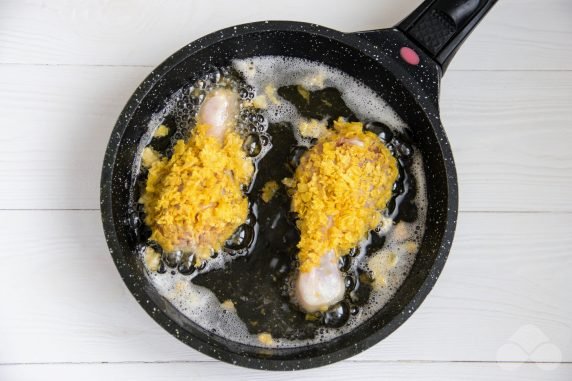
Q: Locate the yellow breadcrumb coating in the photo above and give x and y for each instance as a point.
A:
(161, 131)
(265, 338)
(193, 201)
(339, 190)
(149, 156)
(268, 190)
(312, 128)
(270, 91)
(260, 102)
(152, 259)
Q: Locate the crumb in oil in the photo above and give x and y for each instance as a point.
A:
(161, 131)
(265, 338)
(269, 190)
(149, 157)
(312, 128)
(270, 91)
(228, 305)
(152, 259)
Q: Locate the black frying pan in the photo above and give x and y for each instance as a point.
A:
(403, 65)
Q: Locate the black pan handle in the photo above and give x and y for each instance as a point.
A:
(441, 26)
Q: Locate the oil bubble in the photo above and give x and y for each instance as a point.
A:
(186, 266)
(241, 238)
(350, 282)
(171, 259)
(337, 315)
(265, 139)
(252, 145)
(295, 155)
(381, 130)
(344, 263)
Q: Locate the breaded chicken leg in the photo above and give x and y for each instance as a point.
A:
(338, 193)
(193, 201)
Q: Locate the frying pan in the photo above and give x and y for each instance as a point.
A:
(404, 65)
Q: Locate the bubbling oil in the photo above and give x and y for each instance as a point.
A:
(244, 290)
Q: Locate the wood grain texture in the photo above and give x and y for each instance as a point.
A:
(518, 34)
(401, 371)
(511, 137)
(57, 121)
(67, 67)
(63, 300)
(510, 133)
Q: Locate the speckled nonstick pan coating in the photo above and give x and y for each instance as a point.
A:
(403, 65)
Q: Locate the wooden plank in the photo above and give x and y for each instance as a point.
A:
(511, 156)
(402, 371)
(518, 34)
(57, 121)
(510, 138)
(503, 295)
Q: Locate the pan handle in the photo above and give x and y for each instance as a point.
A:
(441, 26)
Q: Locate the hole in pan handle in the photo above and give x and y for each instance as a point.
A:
(441, 26)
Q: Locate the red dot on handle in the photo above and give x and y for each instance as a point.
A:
(409, 55)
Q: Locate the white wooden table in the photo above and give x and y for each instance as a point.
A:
(502, 308)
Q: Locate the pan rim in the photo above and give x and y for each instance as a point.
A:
(248, 360)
